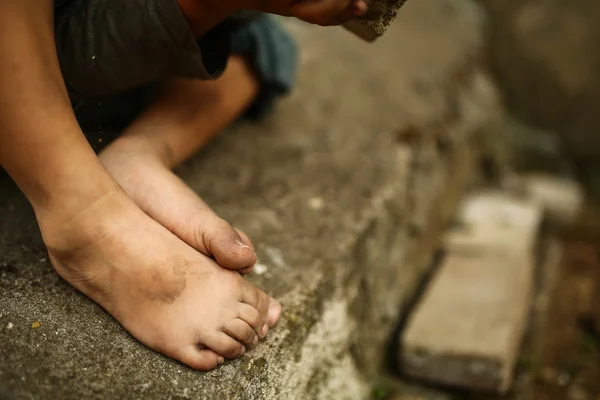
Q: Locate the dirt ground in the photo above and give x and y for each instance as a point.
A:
(569, 367)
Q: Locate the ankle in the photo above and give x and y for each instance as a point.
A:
(137, 149)
(67, 229)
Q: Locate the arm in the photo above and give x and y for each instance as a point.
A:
(111, 46)
(108, 46)
(41, 145)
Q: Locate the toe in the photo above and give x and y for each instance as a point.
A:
(200, 359)
(224, 345)
(247, 242)
(274, 312)
(240, 331)
(256, 298)
(252, 317)
(217, 238)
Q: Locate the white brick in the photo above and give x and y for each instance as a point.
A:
(561, 198)
(468, 328)
(498, 223)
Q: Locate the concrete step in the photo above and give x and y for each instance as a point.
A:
(469, 325)
(337, 190)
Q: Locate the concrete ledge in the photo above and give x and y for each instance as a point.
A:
(336, 189)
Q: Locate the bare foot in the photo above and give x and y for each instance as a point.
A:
(169, 296)
(168, 200)
(186, 116)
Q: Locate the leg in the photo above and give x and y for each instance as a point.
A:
(97, 238)
(185, 117)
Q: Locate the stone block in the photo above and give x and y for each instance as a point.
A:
(468, 328)
(561, 198)
(380, 14)
(496, 222)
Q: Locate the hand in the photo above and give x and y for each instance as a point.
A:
(328, 12)
(319, 12)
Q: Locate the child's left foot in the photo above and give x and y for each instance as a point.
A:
(168, 200)
(187, 116)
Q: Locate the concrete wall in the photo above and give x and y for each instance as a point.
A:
(545, 55)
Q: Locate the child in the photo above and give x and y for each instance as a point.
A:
(121, 227)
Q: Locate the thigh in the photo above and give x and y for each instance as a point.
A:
(114, 53)
(112, 46)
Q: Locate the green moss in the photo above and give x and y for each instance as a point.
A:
(301, 318)
(260, 362)
(380, 393)
(254, 368)
(528, 363)
(588, 345)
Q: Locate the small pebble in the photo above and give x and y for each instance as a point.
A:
(564, 379)
(316, 203)
(9, 326)
(260, 269)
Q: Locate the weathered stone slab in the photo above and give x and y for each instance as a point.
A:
(334, 200)
(561, 198)
(496, 222)
(525, 381)
(469, 325)
(380, 15)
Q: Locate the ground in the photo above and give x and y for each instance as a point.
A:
(570, 364)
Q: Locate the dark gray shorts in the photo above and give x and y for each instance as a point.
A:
(113, 53)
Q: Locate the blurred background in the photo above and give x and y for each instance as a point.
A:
(544, 59)
(425, 207)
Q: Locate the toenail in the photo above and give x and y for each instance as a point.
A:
(244, 246)
(255, 340)
(243, 350)
(220, 360)
(274, 306)
(264, 330)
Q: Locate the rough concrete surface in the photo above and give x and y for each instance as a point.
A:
(469, 325)
(335, 189)
(544, 54)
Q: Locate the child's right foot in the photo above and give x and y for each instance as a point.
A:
(166, 294)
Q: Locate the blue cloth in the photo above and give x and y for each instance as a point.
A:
(272, 53)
